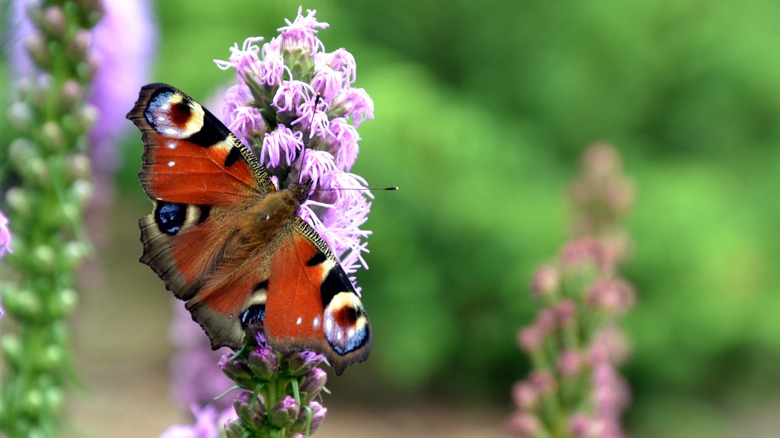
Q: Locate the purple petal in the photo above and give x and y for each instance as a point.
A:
(302, 32)
(317, 166)
(281, 141)
(355, 103)
(327, 82)
(344, 142)
(247, 121)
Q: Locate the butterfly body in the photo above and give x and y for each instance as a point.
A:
(225, 240)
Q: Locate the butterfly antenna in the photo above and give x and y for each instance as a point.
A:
(367, 189)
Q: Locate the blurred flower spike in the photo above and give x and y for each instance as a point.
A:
(574, 342)
(295, 103)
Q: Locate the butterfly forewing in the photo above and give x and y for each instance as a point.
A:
(190, 157)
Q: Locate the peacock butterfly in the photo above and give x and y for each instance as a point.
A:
(226, 241)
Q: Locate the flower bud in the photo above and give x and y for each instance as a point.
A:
(78, 166)
(298, 363)
(72, 94)
(86, 116)
(51, 358)
(250, 410)
(82, 190)
(234, 429)
(44, 258)
(612, 296)
(21, 116)
(601, 160)
(94, 10)
(53, 398)
(237, 370)
(24, 303)
(565, 312)
(523, 425)
(313, 383)
(263, 363)
(21, 151)
(12, 347)
(542, 381)
(584, 254)
(78, 47)
(86, 69)
(524, 395)
(19, 201)
(73, 253)
(53, 22)
(318, 413)
(285, 412)
(545, 282)
(530, 339)
(570, 363)
(309, 419)
(32, 402)
(61, 303)
(53, 137)
(582, 426)
(36, 48)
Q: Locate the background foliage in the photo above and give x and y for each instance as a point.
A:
(482, 109)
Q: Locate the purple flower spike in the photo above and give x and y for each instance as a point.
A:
(314, 107)
(575, 343)
(295, 103)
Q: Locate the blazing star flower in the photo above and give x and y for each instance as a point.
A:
(575, 344)
(294, 101)
(295, 104)
(52, 50)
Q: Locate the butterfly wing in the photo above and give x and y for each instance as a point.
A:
(311, 303)
(201, 180)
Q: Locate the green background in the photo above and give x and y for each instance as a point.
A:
(482, 109)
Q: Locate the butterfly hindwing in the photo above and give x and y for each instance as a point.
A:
(311, 303)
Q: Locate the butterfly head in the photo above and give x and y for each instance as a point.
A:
(300, 191)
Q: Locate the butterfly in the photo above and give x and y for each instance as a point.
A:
(224, 239)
